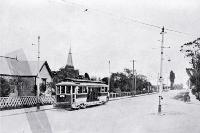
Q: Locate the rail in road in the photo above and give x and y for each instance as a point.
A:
(7, 113)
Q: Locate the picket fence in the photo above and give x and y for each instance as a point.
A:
(24, 101)
(122, 94)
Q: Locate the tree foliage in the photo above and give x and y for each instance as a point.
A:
(65, 72)
(4, 87)
(191, 51)
(105, 80)
(172, 78)
(16, 84)
(124, 81)
(119, 80)
(87, 76)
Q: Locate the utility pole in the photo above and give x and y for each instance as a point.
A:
(161, 71)
(109, 76)
(158, 82)
(135, 85)
(133, 88)
(38, 70)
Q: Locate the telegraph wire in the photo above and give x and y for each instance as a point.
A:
(88, 9)
(179, 32)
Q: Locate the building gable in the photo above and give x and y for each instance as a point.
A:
(45, 73)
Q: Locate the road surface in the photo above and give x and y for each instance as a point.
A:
(129, 115)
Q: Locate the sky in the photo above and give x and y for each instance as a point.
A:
(104, 32)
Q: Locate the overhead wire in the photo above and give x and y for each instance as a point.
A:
(86, 9)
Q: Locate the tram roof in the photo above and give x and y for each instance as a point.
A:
(83, 84)
(67, 83)
(93, 84)
(82, 80)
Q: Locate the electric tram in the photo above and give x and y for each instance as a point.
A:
(76, 94)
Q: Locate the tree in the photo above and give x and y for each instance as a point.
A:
(119, 80)
(142, 83)
(105, 80)
(124, 81)
(191, 51)
(172, 77)
(4, 87)
(87, 76)
(65, 72)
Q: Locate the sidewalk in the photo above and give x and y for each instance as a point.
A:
(24, 110)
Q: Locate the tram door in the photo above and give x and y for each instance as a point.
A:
(73, 94)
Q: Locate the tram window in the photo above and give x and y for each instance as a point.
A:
(99, 89)
(62, 89)
(58, 89)
(102, 89)
(68, 89)
(106, 89)
(89, 89)
(84, 89)
(80, 89)
(73, 89)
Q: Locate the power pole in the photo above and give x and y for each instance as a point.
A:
(135, 83)
(38, 77)
(38, 71)
(161, 70)
(133, 88)
(158, 82)
(109, 75)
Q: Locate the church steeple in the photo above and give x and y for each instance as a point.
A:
(69, 59)
(69, 71)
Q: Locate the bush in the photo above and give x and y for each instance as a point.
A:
(4, 88)
(193, 91)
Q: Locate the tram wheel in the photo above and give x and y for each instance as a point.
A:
(78, 107)
(83, 106)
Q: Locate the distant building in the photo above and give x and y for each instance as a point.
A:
(22, 76)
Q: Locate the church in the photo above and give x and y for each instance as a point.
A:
(71, 71)
(66, 72)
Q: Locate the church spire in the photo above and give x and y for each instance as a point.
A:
(69, 59)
